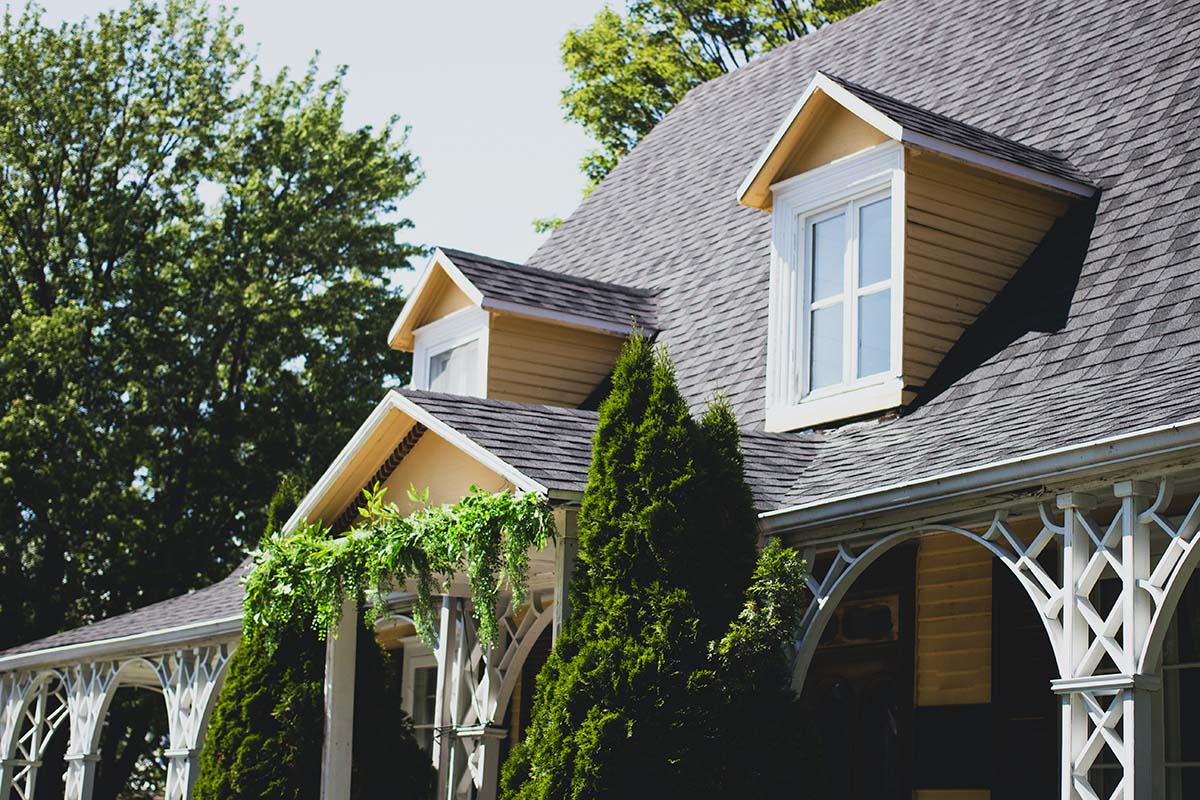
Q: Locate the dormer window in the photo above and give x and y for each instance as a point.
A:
(893, 227)
(448, 353)
(849, 279)
(835, 302)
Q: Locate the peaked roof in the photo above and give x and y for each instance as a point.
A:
(913, 126)
(498, 285)
(509, 286)
(1104, 313)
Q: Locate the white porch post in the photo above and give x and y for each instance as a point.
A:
(13, 687)
(444, 705)
(566, 550)
(88, 689)
(338, 748)
(189, 680)
(1076, 553)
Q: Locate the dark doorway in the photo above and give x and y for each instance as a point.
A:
(859, 689)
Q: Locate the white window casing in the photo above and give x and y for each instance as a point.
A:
(450, 354)
(839, 190)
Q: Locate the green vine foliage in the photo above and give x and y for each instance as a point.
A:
(309, 573)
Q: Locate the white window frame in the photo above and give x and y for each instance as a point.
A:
(417, 655)
(843, 185)
(453, 330)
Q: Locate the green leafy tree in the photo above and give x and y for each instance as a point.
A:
(266, 733)
(676, 641)
(628, 69)
(196, 261)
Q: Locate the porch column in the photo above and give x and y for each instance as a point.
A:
(566, 550)
(13, 687)
(338, 749)
(190, 680)
(1101, 709)
(445, 706)
(88, 688)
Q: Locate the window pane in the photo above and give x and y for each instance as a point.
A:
(454, 370)
(874, 333)
(875, 242)
(825, 361)
(828, 254)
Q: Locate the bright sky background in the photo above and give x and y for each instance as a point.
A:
(477, 81)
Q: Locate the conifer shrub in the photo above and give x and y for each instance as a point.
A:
(265, 737)
(670, 678)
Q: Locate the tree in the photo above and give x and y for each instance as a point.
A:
(266, 732)
(675, 645)
(627, 70)
(196, 261)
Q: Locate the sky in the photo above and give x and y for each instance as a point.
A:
(478, 82)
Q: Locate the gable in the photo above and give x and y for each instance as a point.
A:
(829, 132)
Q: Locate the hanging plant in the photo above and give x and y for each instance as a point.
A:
(309, 573)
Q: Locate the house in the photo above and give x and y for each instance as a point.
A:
(944, 259)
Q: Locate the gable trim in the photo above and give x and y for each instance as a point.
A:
(895, 131)
(439, 259)
(395, 403)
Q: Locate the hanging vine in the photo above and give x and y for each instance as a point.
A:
(309, 573)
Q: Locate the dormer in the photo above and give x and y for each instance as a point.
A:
(484, 327)
(893, 228)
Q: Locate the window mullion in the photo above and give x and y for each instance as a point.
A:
(850, 317)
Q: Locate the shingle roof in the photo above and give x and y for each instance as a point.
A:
(1114, 93)
(554, 445)
(219, 601)
(949, 130)
(553, 291)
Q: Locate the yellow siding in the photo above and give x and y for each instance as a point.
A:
(967, 232)
(954, 622)
(838, 133)
(446, 300)
(447, 472)
(531, 361)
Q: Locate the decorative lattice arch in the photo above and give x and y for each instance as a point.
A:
(1108, 657)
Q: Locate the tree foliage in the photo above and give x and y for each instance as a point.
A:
(196, 259)
(628, 69)
(265, 738)
(674, 654)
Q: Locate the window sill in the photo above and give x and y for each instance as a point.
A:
(852, 402)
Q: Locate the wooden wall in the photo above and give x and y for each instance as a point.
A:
(531, 361)
(967, 232)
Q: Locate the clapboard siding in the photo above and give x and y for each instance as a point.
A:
(966, 234)
(531, 361)
(954, 622)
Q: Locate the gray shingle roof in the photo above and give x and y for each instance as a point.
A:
(1116, 94)
(554, 291)
(949, 130)
(219, 601)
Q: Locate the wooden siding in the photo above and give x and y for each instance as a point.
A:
(967, 232)
(954, 622)
(533, 361)
(835, 133)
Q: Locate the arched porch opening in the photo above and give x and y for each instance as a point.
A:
(34, 752)
(927, 667)
(133, 736)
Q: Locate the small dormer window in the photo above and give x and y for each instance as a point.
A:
(835, 301)
(448, 353)
(849, 283)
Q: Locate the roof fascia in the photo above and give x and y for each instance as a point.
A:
(439, 259)
(1008, 474)
(223, 628)
(562, 318)
(395, 403)
(897, 132)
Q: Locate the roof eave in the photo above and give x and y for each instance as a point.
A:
(1031, 470)
(400, 337)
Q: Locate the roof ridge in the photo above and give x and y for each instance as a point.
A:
(564, 276)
